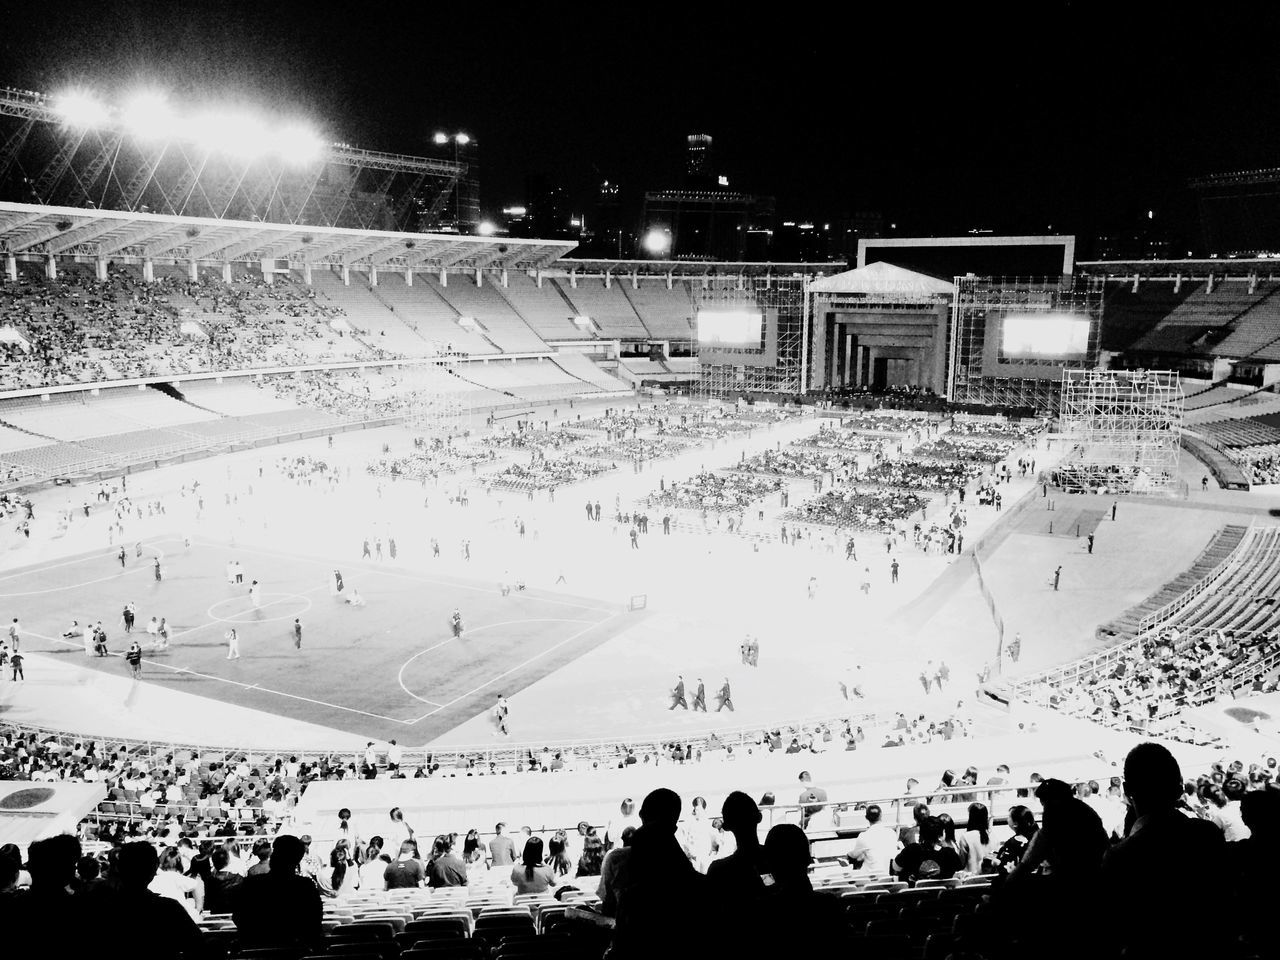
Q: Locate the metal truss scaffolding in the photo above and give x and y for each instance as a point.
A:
(778, 365)
(435, 407)
(1126, 426)
(978, 373)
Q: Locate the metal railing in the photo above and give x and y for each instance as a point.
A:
(1184, 600)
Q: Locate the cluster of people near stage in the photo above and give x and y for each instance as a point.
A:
(920, 473)
(715, 492)
(834, 438)
(536, 440)
(545, 474)
(1261, 464)
(865, 509)
(431, 464)
(974, 449)
(1145, 684)
(966, 425)
(798, 461)
(632, 448)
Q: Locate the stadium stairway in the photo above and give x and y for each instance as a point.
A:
(1219, 551)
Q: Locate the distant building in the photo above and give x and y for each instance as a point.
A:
(547, 210)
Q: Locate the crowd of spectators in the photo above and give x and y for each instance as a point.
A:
(795, 462)
(974, 449)
(545, 474)
(632, 449)
(875, 510)
(715, 492)
(1262, 465)
(536, 440)
(924, 473)
(1111, 858)
(833, 438)
(77, 329)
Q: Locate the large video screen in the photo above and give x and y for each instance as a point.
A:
(730, 328)
(1036, 336)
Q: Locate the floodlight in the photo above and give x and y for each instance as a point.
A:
(486, 228)
(148, 116)
(234, 133)
(298, 145)
(81, 109)
(462, 139)
(657, 241)
(440, 139)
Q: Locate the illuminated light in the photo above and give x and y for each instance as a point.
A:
(514, 211)
(730, 327)
(440, 139)
(462, 139)
(722, 180)
(81, 110)
(575, 222)
(298, 145)
(1053, 335)
(235, 133)
(486, 228)
(657, 241)
(1151, 214)
(147, 115)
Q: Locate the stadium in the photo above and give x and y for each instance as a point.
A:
(338, 532)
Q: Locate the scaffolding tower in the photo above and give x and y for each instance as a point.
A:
(777, 365)
(435, 408)
(1127, 429)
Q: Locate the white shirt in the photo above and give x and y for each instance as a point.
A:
(876, 847)
(1229, 820)
(394, 754)
(175, 886)
(373, 875)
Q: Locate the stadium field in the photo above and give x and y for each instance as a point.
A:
(388, 669)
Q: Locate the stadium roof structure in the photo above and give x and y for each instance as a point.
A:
(1250, 268)
(29, 229)
(692, 268)
(884, 279)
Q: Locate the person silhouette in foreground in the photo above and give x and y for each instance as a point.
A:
(795, 921)
(168, 928)
(1162, 884)
(737, 877)
(279, 908)
(656, 875)
(1252, 867)
(48, 902)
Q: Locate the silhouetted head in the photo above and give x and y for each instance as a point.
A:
(660, 811)
(786, 850)
(1152, 779)
(740, 814)
(286, 853)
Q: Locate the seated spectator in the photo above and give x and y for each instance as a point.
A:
(280, 908)
(655, 874)
(532, 875)
(1252, 868)
(47, 903)
(262, 855)
(341, 875)
(445, 868)
(172, 883)
(222, 885)
(974, 844)
(1168, 865)
(592, 860)
(795, 920)
(607, 889)
(929, 858)
(737, 877)
(406, 870)
(876, 846)
(1023, 823)
(169, 930)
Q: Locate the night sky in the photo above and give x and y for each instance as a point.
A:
(1065, 116)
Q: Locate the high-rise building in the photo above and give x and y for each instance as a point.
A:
(547, 209)
(697, 164)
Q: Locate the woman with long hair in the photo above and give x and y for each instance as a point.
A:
(531, 875)
(472, 848)
(342, 876)
(974, 844)
(170, 882)
(948, 780)
(948, 829)
(1023, 823)
(557, 859)
(591, 862)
